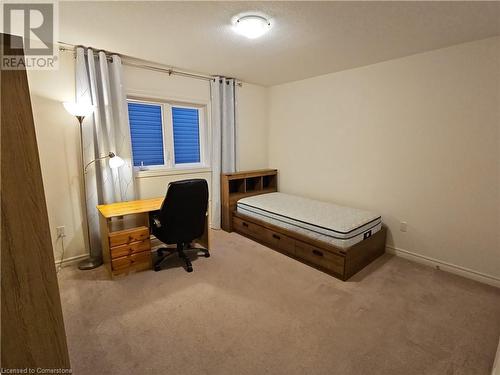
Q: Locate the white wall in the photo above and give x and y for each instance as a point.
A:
(58, 139)
(59, 148)
(252, 128)
(416, 139)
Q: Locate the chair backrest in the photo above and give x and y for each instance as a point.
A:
(183, 212)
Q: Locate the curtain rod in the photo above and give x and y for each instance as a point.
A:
(127, 61)
(169, 71)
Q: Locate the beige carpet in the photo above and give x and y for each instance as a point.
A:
(250, 310)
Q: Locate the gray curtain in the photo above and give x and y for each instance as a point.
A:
(223, 138)
(99, 82)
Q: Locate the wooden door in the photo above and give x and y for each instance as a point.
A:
(32, 325)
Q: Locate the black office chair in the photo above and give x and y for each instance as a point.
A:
(181, 219)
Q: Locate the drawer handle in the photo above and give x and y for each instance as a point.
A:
(317, 252)
(245, 224)
(276, 236)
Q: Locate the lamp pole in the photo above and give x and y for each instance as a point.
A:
(91, 262)
(80, 110)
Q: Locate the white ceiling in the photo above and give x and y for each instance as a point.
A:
(306, 39)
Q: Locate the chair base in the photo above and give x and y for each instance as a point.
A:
(181, 248)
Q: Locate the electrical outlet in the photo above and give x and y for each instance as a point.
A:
(403, 226)
(60, 231)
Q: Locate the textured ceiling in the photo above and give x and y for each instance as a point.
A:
(306, 39)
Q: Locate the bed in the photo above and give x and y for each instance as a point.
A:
(333, 224)
(336, 239)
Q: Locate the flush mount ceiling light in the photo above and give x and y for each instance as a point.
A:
(252, 26)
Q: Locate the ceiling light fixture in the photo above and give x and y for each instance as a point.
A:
(252, 26)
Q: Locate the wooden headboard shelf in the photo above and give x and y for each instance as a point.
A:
(235, 186)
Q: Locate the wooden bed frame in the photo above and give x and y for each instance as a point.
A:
(339, 262)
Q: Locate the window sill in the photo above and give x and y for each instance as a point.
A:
(157, 172)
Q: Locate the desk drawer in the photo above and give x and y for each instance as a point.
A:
(131, 248)
(320, 257)
(128, 236)
(130, 260)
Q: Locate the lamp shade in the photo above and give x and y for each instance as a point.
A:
(115, 162)
(79, 109)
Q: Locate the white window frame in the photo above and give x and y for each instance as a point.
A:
(202, 134)
(145, 101)
(168, 136)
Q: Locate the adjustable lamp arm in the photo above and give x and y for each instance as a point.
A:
(110, 155)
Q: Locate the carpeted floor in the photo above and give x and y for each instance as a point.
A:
(250, 310)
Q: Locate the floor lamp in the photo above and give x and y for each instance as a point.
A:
(80, 110)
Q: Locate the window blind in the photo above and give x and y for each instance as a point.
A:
(186, 135)
(146, 133)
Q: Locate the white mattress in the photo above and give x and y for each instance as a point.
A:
(336, 225)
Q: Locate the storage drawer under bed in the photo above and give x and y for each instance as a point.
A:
(320, 257)
(247, 227)
(279, 241)
(341, 263)
(310, 254)
(274, 239)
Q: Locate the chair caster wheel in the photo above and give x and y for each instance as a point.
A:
(157, 268)
(189, 269)
(207, 255)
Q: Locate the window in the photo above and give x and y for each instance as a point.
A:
(167, 135)
(186, 126)
(146, 133)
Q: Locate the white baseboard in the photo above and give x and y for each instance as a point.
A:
(445, 266)
(70, 260)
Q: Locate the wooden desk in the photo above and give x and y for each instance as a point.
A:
(125, 235)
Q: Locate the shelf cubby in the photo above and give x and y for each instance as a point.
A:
(253, 184)
(269, 182)
(236, 186)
